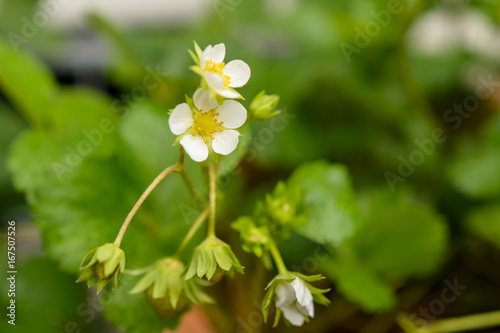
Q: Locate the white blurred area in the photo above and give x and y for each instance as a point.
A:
(126, 13)
(443, 30)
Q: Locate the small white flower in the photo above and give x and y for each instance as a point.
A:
(221, 78)
(295, 301)
(207, 125)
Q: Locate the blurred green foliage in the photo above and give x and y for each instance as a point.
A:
(345, 123)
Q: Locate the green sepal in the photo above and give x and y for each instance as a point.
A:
(87, 274)
(89, 259)
(266, 302)
(310, 278)
(175, 287)
(193, 266)
(197, 70)
(101, 284)
(203, 262)
(320, 299)
(198, 50)
(105, 252)
(277, 317)
(212, 266)
(194, 57)
(92, 280)
(223, 260)
(160, 286)
(145, 282)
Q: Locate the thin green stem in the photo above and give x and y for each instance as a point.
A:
(189, 185)
(278, 260)
(466, 323)
(138, 271)
(139, 202)
(212, 179)
(187, 180)
(196, 225)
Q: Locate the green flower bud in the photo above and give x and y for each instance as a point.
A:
(101, 264)
(212, 259)
(166, 290)
(263, 105)
(256, 240)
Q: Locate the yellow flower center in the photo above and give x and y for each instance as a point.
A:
(205, 124)
(217, 68)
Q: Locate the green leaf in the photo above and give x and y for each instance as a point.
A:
(132, 313)
(485, 222)
(84, 113)
(475, 172)
(46, 299)
(28, 83)
(330, 205)
(400, 236)
(359, 284)
(32, 159)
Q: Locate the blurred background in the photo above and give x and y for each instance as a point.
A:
(405, 94)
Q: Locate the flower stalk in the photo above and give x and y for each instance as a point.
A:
(139, 202)
(212, 179)
(278, 260)
(196, 225)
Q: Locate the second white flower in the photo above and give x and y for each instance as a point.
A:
(206, 125)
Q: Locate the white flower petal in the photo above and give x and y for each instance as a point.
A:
(232, 114)
(228, 93)
(225, 142)
(180, 119)
(195, 147)
(304, 296)
(292, 315)
(202, 101)
(214, 80)
(204, 56)
(217, 53)
(238, 72)
(285, 295)
(306, 311)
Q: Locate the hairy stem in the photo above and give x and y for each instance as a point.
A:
(278, 260)
(467, 323)
(196, 225)
(212, 179)
(143, 197)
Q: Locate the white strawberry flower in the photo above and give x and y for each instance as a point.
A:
(295, 301)
(204, 125)
(220, 78)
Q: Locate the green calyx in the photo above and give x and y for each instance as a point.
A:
(167, 291)
(212, 259)
(256, 239)
(262, 106)
(317, 293)
(101, 265)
